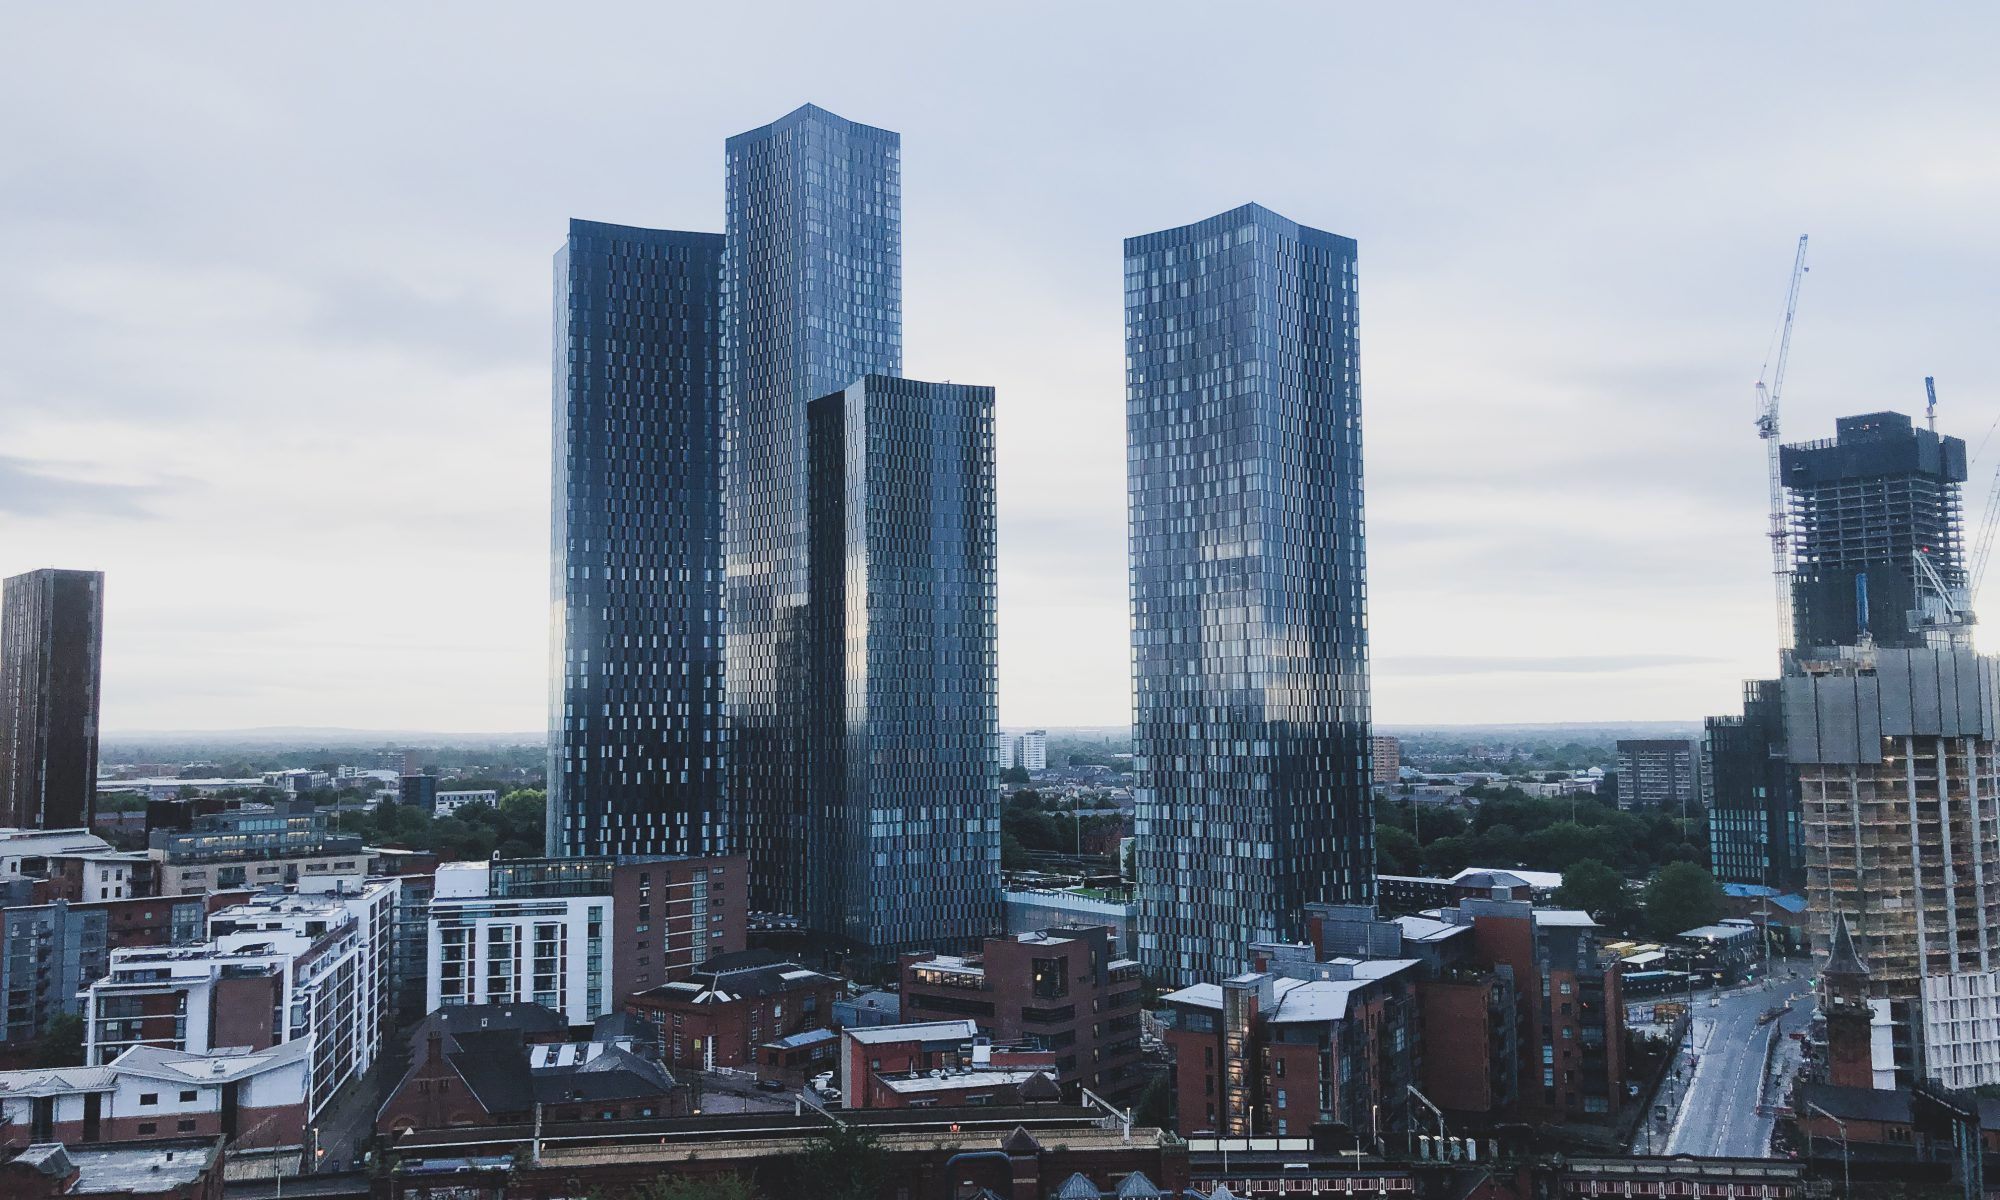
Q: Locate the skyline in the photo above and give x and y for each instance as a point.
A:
(282, 403)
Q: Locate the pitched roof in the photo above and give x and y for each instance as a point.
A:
(1841, 957)
(1021, 1143)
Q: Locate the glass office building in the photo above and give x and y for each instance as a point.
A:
(905, 791)
(1248, 586)
(636, 728)
(1755, 835)
(812, 302)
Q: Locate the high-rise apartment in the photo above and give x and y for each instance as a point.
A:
(1035, 750)
(51, 639)
(1661, 774)
(636, 733)
(1248, 577)
(1865, 506)
(812, 302)
(904, 794)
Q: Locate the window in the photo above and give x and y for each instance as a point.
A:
(1281, 1097)
(187, 1097)
(184, 1126)
(149, 1097)
(149, 1127)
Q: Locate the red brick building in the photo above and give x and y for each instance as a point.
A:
(1265, 1054)
(939, 1064)
(732, 1004)
(1063, 989)
(486, 1065)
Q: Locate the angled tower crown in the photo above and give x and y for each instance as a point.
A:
(1841, 957)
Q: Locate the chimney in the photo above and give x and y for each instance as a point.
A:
(434, 1052)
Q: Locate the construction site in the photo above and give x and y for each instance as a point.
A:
(1889, 721)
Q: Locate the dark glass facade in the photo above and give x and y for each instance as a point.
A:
(51, 641)
(636, 726)
(1754, 831)
(1862, 505)
(905, 792)
(812, 302)
(1248, 586)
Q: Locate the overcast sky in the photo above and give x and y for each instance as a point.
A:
(275, 313)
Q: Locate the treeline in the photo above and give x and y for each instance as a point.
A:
(1510, 828)
(1029, 823)
(515, 828)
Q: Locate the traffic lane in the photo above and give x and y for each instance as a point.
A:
(1719, 1114)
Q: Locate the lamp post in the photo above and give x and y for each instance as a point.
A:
(1846, 1177)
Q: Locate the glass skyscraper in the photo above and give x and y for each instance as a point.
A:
(51, 655)
(1248, 577)
(812, 302)
(636, 728)
(906, 794)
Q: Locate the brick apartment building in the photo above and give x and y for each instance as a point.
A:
(733, 1004)
(1062, 989)
(1301, 1043)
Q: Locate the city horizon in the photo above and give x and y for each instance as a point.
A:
(399, 374)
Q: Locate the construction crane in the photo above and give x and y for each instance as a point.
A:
(1767, 429)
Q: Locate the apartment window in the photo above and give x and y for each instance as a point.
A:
(1281, 1097)
(187, 1097)
(149, 1127)
(149, 1097)
(185, 1126)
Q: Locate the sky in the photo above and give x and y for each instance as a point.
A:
(275, 318)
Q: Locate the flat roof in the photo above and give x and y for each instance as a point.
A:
(925, 1031)
(954, 1080)
(140, 1168)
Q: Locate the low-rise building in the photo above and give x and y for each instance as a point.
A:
(722, 1013)
(29, 851)
(256, 846)
(505, 1064)
(1062, 989)
(448, 803)
(183, 1169)
(255, 1099)
(940, 1064)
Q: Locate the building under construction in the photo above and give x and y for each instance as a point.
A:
(1899, 783)
(1870, 509)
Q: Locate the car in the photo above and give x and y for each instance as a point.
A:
(770, 1085)
(823, 1080)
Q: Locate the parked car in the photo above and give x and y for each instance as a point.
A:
(770, 1085)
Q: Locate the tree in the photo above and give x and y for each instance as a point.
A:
(1596, 889)
(1014, 776)
(846, 1164)
(1681, 897)
(711, 1187)
(1396, 851)
(60, 1043)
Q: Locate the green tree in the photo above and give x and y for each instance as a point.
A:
(1682, 896)
(1596, 889)
(1014, 776)
(1396, 851)
(710, 1187)
(846, 1164)
(60, 1044)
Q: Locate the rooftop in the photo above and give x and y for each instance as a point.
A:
(927, 1031)
(951, 1081)
(131, 1168)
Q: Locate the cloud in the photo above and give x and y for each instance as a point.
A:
(38, 491)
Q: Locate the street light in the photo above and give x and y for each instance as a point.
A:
(1846, 1178)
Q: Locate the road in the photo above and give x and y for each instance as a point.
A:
(1719, 1116)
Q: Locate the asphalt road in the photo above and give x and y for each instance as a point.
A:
(1719, 1117)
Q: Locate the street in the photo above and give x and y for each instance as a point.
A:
(1719, 1115)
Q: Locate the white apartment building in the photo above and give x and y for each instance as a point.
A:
(450, 802)
(27, 851)
(1035, 750)
(487, 949)
(278, 969)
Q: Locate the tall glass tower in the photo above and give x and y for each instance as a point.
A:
(51, 657)
(636, 729)
(812, 302)
(1249, 596)
(906, 848)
